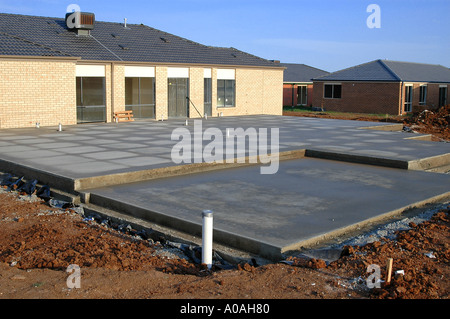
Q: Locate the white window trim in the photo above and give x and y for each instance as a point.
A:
(426, 94)
(207, 73)
(90, 71)
(182, 73)
(139, 71)
(226, 74)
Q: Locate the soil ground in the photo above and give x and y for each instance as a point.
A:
(39, 242)
(426, 122)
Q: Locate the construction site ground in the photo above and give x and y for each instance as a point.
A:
(39, 242)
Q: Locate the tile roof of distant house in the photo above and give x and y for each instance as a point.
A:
(300, 73)
(37, 36)
(391, 71)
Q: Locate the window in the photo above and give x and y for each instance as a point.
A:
(90, 99)
(408, 98)
(302, 95)
(442, 95)
(140, 96)
(226, 91)
(208, 96)
(423, 95)
(332, 91)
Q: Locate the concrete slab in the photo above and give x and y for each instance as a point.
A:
(307, 201)
(92, 155)
(128, 167)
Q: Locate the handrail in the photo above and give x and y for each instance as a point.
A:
(187, 97)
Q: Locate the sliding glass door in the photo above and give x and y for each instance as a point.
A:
(91, 106)
(140, 96)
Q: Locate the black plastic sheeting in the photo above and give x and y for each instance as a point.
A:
(29, 187)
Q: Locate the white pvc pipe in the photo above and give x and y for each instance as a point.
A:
(207, 238)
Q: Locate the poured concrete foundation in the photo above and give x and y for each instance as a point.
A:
(334, 175)
(306, 202)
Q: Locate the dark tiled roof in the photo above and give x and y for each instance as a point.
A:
(419, 72)
(391, 71)
(18, 46)
(300, 73)
(113, 42)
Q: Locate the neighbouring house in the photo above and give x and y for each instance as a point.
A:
(383, 87)
(74, 69)
(298, 85)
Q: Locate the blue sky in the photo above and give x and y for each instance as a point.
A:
(327, 34)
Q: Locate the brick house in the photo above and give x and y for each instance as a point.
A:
(75, 70)
(383, 87)
(298, 85)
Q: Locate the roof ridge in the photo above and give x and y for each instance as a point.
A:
(410, 62)
(306, 65)
(389, 69)
(252, 55)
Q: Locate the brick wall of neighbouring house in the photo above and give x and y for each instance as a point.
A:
(432, 95)
(290, 94)
(361, 97)
(34, 91)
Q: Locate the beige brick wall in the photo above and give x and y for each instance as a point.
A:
(273, 92)
(44, 91)
(196, 92)
(258, 91)
(118, 98)
(108, 93)
(161, 92)
(34, 91)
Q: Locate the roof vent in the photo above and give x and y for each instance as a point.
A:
(80, 20)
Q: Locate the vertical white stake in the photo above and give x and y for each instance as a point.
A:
(60, 127)
(207, 238)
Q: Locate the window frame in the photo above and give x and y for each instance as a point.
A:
(333, 91)
(423, 93)
(84, 110)
(139, 96)
(229, 86)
